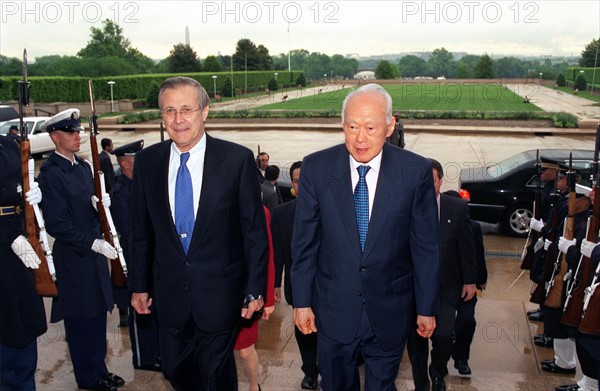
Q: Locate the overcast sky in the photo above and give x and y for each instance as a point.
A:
(503, 27)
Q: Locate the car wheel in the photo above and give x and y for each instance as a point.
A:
(516, 221)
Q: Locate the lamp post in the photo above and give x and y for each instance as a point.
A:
(214, 77)
(112, 102)
(325, 77)
(276, 75)
(541, 73)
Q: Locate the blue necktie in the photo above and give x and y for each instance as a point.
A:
(184, 204)
(361, 204)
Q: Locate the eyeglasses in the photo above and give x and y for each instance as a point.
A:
(185, 112)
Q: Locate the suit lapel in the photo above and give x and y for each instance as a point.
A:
(209, 194)
(162, 193)
(384, 198)
(343, 194)
(445, 221)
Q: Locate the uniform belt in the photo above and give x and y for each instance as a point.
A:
(10, 210)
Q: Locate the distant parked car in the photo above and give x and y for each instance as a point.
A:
(504, 192)
(40, 139)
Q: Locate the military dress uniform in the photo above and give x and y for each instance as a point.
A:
(83, 280)
(22, 315)
(143, 329)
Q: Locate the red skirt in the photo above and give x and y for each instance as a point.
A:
(247, 334)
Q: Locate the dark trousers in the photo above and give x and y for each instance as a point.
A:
(339, 367)
(86, 338)
(464, 330)
(194, 360)
(441, 340)
(18, 367)
(307, 344)
(143, 333)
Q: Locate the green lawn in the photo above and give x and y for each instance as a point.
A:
(426, 96)
(581, 94)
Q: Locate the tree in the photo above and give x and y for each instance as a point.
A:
(273, 85)
(11, 66)
(226, 88)
(301, 80)
(509, 67)
(441, 63)
(265, 63)
(211, 64)
(589, 55)
(413, 66)
(152, 98)
(484, 69)
(246, 56)
(182, 58)
(317, 65)
(386, 70)
(561, 81)
(580, 83)
(106, 42)
(463, 71)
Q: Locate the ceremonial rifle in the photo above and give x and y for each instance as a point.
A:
(528, 256)
(118, 268)
(45, 274)
(538, 294)
(555, 288)
(591, 302)
(162, 132)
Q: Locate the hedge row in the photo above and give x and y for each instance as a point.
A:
(572, 73)
(49, 89)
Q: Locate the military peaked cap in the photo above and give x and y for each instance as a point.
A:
(129, 149)
(67, 121)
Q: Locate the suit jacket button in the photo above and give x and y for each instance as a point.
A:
(359, 293)
(185, 288)
(187, 263)
(362, 269)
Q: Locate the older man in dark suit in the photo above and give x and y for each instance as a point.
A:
(459, 276)
(365, 248)
(199, 233)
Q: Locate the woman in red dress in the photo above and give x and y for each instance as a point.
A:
(248, 333)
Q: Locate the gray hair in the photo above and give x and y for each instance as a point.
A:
(371, 88)
(173, 83)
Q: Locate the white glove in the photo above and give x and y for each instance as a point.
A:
(564, 244)
(105, 201)
(538, 245)
(536, 224)
(587, 247)
(547, 244)
(34, 195)
(101, 246)
(25, 252)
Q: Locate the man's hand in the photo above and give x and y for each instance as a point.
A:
(140, 302)
(34, 195)
(267, 311)
(105, 201)
(101, 246)
(277, 294)
(25, 252)
(425, 325)
(253, 306)
(564, 244)
(468, 291)
(536, 224)
(587, 247)
(304, 318)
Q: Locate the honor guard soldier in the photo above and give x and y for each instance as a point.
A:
(143, 329)
(22, 312)
(83, 281)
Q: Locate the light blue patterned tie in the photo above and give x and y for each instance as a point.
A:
(184, 203)
(361, 204)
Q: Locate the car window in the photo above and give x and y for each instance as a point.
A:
(513, 162)
(37, 127)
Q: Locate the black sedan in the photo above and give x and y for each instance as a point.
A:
(504, 192)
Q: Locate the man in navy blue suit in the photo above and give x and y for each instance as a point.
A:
(359, 281)
(207, 273)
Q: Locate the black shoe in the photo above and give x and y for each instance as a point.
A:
(567, 387)
(101, 385)
(438, 384)
(556, 369)
(536, 316)
(463, 367)
(548, 362)
(534, 311)
(113, 379)
(308, 383)
(156, 367)
(543, 341)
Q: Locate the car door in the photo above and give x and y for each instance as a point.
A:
(40, 138)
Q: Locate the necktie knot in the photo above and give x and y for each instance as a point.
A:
(184, 158)
(362, 170)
